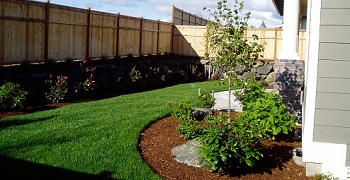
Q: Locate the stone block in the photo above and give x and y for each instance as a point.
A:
(313, 168)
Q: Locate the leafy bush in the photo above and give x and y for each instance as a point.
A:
(135, 74)
(12, 96)
(188, 127)
(322, 176)
(252, 90)
(228, 145)
(234, 144)
(86, 82)
(58, 88)
(265, 109)
(207, 100)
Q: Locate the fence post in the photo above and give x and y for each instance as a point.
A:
(158, 33)
(275, 47)
(173, 14)
(27, 34)
(182, 18)
(47, 21)
(118, 24)
(88, 32)
(141, 31)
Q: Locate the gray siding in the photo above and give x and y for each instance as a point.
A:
(332, 115)
(338, 4)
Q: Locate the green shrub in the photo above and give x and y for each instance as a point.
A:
(265, 109)
(58, 88)
(207, 100)
(12, 96)
(228, 145)
(322, 176)
(269, 114)
(252, 90)
(182, 110)
(188, 127)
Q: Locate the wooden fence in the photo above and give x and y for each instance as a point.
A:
(35, 31)
(181, 17)
(192, 41)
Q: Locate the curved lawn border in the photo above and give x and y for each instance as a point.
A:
(91, 140)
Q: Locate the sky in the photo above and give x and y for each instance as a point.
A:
(262, 10)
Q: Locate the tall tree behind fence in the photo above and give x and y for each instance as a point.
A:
(181, 17)
(35, 31)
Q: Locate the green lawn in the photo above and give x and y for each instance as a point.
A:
(88, 140)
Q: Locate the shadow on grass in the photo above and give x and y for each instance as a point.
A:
(4, 124)
(19, 169)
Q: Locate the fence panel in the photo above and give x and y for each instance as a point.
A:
(67, 32)
(21, 39)
(181, 17)
(129, 35)
(103, 35)
(36, 31)
(165, 38)
(191, 41)
(149, 37)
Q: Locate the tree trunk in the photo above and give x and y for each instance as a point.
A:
(229, 100)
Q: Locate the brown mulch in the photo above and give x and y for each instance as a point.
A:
(159, 138)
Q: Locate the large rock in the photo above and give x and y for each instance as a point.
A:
(270, 78)
(265, 69)
(248, 75)
(187, 154)
(258, 64)
(199, 113)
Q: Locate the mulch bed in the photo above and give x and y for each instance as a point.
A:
(159, 138)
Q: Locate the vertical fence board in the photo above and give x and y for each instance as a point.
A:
(149, 37)
(36, 40)
(165, 38)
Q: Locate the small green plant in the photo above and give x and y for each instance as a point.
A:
(252, 90)
(322, 176)
(135, 74)
(58, 88)
(228, 145)
(12, 96)
(86, 81)
(207, 100)
(188, 127)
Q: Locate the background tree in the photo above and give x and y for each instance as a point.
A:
(231, 51)
(263, 24)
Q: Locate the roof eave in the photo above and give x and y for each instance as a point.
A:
(278, 6)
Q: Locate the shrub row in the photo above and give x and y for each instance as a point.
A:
(232, 144)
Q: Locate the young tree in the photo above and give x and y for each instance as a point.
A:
(231, 51)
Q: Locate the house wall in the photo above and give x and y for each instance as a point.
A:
(332, 123)
(326, 108)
